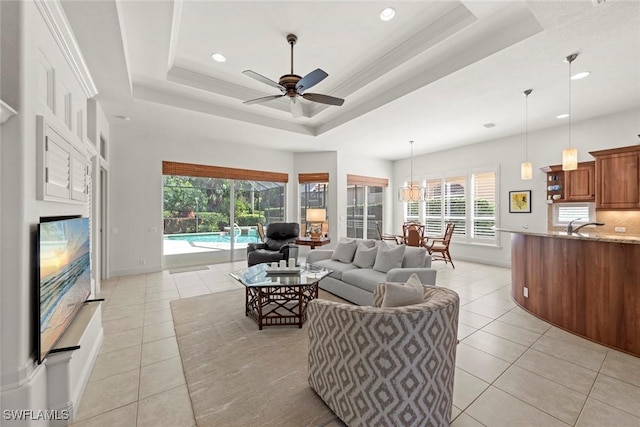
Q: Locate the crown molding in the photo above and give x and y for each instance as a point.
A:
(6, 111)
(56, 20)
(165, 96)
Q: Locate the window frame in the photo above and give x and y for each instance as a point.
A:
(468, 234)
(555, 221)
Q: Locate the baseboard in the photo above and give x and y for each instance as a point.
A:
(134, 271)
(486, 261)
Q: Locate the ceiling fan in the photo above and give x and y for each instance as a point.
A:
(293, 86)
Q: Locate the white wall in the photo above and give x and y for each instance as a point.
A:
(338, 165)
(32, 45)
(545, 148)
(135, 208)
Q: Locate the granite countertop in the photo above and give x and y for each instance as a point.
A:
(601, 237)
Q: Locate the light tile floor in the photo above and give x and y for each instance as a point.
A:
(512, 368)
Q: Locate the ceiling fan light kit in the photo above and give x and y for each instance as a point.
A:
(293, 86)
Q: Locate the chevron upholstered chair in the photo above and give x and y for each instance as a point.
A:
(378, 366)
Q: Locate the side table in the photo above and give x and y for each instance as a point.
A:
(309, 241)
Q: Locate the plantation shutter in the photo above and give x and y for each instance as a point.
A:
(570, 212)
(484, 205)
(433, 208)
(455, 210)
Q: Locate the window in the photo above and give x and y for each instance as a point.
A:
(455, 203)
(314, 189)
(563, 213)
(364, 194)
(483, 217)
(467, 200)
(217, 209)
(433, 208)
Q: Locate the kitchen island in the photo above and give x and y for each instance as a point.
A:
(587, 283)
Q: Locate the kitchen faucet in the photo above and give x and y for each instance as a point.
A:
(571, 230)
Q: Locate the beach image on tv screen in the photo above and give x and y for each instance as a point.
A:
(65, 281)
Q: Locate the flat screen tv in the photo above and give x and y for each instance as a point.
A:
(64, 273)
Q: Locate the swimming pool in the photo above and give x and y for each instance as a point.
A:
(251, 237)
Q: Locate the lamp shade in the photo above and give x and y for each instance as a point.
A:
(526, 170)
(316, 215)
(411, 193)
(569, 159)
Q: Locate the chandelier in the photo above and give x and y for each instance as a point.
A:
(411, 192)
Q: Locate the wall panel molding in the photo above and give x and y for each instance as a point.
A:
(56, 20)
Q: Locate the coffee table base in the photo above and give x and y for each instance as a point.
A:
(279, 305)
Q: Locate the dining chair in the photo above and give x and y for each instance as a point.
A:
(382, 236)
(438, 247)
(261, 231)
(413, 234)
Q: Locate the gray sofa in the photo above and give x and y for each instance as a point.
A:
(356, 272)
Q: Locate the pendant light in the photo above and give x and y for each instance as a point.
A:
(570, 155)
(526, 168)
(411, 192)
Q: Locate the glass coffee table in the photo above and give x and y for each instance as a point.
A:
(279, 297)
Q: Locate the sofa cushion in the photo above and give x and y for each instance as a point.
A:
(414, 257)
(364, 278)
(402, 294)
(338, 267)
(388, 257)
(344, 251)
(365, 257)
(369, 243)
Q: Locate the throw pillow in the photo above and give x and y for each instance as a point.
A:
(388, 257)
(344, 251)
(414, 257)
(365, 257)
(399, 295)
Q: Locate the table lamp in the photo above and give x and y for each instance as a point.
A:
(315, 219)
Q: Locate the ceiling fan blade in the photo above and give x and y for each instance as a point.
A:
(263, 79)
(296, 108)
(310, 80)
(263, 99)
(323, 99)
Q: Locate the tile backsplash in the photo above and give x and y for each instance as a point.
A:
(612, 219)
(628, 219)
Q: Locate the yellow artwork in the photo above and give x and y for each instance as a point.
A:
(519, 201)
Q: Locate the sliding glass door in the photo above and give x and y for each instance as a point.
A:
(213, 219)
(361, 199)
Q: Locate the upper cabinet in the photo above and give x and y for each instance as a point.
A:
(618, 178)
(580, 183)
(571, 186)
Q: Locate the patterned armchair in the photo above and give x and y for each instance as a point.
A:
(385, 366)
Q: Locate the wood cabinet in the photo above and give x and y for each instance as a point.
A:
(579, 184)
(571, 186)
(618, 178)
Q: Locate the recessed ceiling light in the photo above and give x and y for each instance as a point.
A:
(581, 75)
(562, 116)
(218, 57)
(387, 14)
